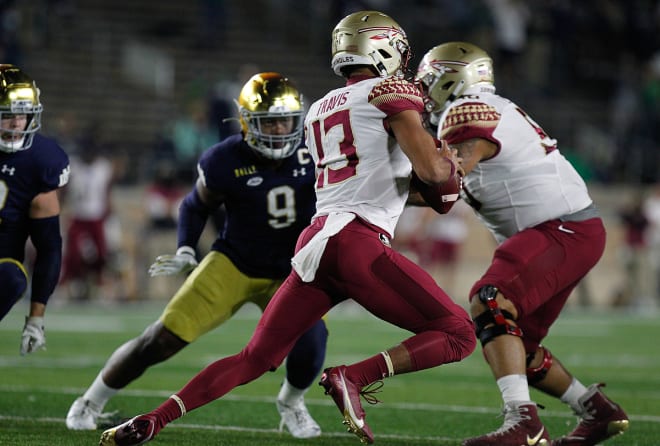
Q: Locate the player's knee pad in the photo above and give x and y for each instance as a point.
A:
(536, 374)
(493, 322)
(13, 278)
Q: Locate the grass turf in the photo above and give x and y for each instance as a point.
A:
(440, 406)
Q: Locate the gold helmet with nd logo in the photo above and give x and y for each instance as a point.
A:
(271, 114)
(20, 109)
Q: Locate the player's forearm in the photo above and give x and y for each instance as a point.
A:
(37, 309)
(193, 214)
(47, 241)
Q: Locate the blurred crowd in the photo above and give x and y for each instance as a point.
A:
(589, 70)
(639, 253)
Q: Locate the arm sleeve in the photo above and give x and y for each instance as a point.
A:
(192, 219)
(46, 238)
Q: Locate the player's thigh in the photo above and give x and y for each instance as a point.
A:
(14, 280)
(389, 285)
(212, 294)
(540, 264)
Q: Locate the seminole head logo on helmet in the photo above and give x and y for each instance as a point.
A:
(372, 39)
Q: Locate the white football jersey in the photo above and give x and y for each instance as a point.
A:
(528, 181)
(360, 167)
(88, 188)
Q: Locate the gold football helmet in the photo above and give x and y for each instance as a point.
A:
(266, 100)
(370, 38)
(19, 95)
(448, 69)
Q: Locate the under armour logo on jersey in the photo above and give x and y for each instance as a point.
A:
(64, 176)
(299, 172)
(8, 170)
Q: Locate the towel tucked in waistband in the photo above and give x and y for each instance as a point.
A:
(306, 261)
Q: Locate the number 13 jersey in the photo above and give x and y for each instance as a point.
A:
(360, 167)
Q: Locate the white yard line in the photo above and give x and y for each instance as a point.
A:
(137, 393)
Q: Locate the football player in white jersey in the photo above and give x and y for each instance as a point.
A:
(549, 233)
(362, 138)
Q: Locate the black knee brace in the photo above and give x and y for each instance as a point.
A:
(537, 374)
(493, 323)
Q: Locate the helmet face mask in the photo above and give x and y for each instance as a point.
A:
(449, 69)
(271, 114)
(373, 39)
(20, 109)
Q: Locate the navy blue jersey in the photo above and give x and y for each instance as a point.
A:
(23, 175)
(268, 203)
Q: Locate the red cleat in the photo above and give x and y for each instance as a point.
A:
(600, 419)
(521, 427)
(347, 398)
(136, 431)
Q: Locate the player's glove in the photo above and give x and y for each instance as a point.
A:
(34, 337)
(180, 263)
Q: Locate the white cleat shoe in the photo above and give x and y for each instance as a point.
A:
(82, 415)
(297, 420)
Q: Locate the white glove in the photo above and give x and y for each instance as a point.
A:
(168, 265)
(34, 337)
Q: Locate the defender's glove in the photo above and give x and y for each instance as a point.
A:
(168, 265)
(34, 337)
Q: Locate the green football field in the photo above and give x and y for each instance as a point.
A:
(440, 406)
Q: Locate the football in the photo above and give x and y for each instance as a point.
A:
(440, 197)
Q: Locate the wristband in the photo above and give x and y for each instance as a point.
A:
(185, 250)
(35, 320)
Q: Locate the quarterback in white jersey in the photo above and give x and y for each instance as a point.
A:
(359, 137)
(361, 168)
(549, 236)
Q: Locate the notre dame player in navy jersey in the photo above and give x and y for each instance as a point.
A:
(265, 179)
(267, 204)
(32, 168)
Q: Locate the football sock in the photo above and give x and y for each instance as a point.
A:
(99, 393)
(171, 409)
(573, 393)
(514, 388)
(289, 394)
(367, 371)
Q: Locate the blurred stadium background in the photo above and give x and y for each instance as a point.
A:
(119, 77)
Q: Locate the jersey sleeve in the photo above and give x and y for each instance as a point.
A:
(470, 120)
(55, 164)
(211, 168)
(393, 95)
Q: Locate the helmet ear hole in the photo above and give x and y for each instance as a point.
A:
(384, 54)
(448, 85)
